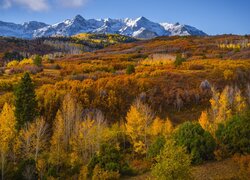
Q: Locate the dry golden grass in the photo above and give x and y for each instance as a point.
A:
(220, 170)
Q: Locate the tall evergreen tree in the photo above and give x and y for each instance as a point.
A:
(25, 101)
(37, 60)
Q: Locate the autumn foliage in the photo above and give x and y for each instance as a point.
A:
(157, 105)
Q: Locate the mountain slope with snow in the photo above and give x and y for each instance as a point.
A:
(138, 28)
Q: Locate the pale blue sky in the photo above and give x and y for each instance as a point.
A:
(211, 16)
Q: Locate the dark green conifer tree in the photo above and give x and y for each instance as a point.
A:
(37, 60)
(130, 69)
(25, 101)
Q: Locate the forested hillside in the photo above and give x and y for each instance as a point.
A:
(17, 49)
(112, 107)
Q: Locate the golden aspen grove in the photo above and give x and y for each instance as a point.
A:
(109, 99)
(89, 116)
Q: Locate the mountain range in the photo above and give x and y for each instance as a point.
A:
(138, 28)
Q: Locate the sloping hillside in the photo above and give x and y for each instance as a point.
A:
(13, 48)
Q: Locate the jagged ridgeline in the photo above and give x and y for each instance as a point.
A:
(137, 28)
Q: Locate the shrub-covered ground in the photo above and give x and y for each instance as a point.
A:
(126, 109)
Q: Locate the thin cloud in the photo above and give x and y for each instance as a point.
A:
(72, 3)
(6, 4)
(41, 5)
(34, 5)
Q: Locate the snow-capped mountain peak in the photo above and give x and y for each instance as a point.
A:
(33, 25)
(139, 28)
(140, 20)
(182, 30)
(79, 18)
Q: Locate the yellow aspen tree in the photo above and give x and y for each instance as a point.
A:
(34, 139)
(157, 126)
(87, 137)
(64, 127)
(162, 127)
(204, 121)
(134, 125)
(57, 149)
(215, 104)
(83, 173)
(25, 144)
(122, 128)
(225, 108)
(41, 136)
(41, 166)
(139, 119)
(82, 141)
(71, 112)
(100, 125)
(240, 104)
(168, 127)
(7, 133)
